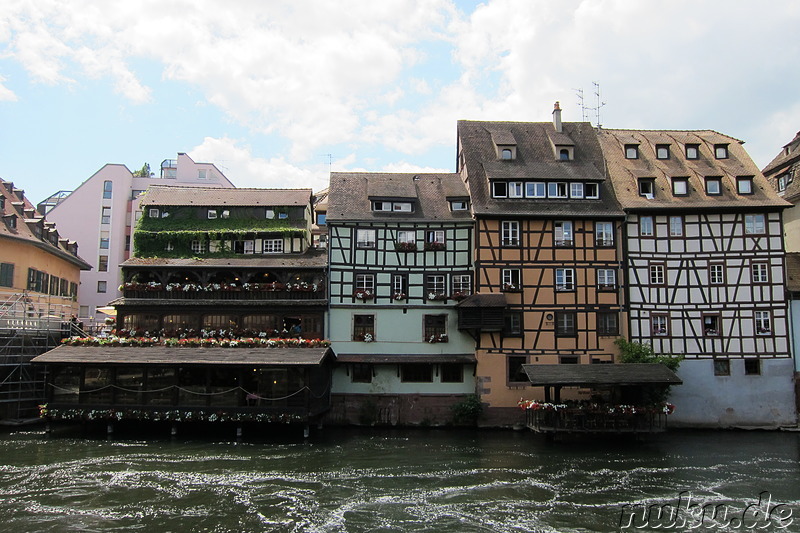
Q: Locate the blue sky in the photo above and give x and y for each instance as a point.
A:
(266, 90)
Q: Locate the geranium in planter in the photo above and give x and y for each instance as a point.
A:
(364, 295)
(437, 296)
(405, 246)
(437, 337)
(459, 295)
(364, 337)
(435, 246)
(399, 296)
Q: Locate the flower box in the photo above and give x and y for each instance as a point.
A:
(510, 287)
(437, 337)
(364, 337)
(435, 246)
(399, 296)
(405, 246)
(459, 295)
(437, 296)
(364, 295)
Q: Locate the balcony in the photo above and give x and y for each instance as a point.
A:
(582, 421)
(238, 295)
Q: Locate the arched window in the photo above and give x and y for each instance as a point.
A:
(506, 153)
(564, 154)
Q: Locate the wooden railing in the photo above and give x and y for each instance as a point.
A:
(226, 295)
(583, 421)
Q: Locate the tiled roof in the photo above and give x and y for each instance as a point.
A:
(162, 355)
(624, 173)
(351, 195)
(27, 218)
(535, 160)
(492, 299)
(786, 162)
(784, 158)
(310, 259)
(610, 374)
(161, 195)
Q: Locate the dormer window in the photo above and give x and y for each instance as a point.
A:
(680, 186)
(631, 151)
(713, 186)
(591, 191)
(744, 185)
(506, 154)
(721, 151)
(692, 151)
(662, 151)
(647, 188)
(563, 154)
(212, 214)
(459, 205)
(783, 179)
(506, 150)
(499, 189)
(396, 207)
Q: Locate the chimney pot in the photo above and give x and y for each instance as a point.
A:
(557, 117)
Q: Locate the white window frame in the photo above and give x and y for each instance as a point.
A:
(591, 191)
(438, 236)
(604, 233)
(212, 214)
(536, 189)
(436, 283)
(631, 151)
(496, 185)
(366, 238)
(576, 190)
(755, 224)
(364, 282)
(198, 247)
(759, 272)
(407, 236)
(272, 246)
(153, 212)
(462, 283)
(657, 274)
(511, 277)
(646, 226)
(606, 278)
(716, 274)
(763, 322)
(516, 189)
(659, 325)
(557, 189)
(676, 226)
(565, 279)
(563, 234)
(509, 233)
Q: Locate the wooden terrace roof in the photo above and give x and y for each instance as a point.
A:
(601, 374)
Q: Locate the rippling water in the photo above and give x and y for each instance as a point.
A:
(379, 481)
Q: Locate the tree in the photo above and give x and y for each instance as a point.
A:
(637, 352)
(144, 172)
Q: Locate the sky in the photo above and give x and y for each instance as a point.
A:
(280, 93)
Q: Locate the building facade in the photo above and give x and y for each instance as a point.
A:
(39, 274)
(547, 227)
(704, 258)
(101, 213)
(400, 258)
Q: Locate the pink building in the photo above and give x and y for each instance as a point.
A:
(101, 213)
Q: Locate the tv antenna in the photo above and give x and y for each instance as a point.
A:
(581, 103)
(599, 105)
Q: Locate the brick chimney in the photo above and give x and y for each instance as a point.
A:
(557, 117)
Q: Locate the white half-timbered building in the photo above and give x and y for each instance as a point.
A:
(704, 272)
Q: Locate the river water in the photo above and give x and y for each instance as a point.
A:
(385, 481)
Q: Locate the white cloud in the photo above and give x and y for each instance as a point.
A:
(6, 94)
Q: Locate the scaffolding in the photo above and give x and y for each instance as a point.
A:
(30, 324)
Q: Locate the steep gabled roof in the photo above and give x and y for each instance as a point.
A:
(535, 160)
(351, 195)
(625, 173)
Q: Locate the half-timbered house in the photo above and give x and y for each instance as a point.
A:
(705, 271)
(400, 254)
(546, 254)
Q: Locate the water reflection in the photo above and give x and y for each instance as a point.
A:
(424, 480)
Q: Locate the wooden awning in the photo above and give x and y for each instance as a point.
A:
(179, 356)
(404, 358)
(601, 374)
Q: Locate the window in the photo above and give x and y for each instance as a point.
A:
(744, 185)
(104, 240)
(721, 151)
(102, 286)
(646, 226)
(680, 186)
(400, 207)
(515, 189)
(565, 279)
(272, 246)
(607, 324)
(361, 373)
(722, 367)
(416, 373)
(576, 190)
(716, 273)
(760, 272)
(169, 247)
(657, 274)
(631, 151)
(451, 373)
(676, 226)
(506, 154)
(647, 188)
(754, 224)
(557, 189)
(659, 325)
(711, 325)
(536, 189)
(499, 189)
(510, 233)
(434, 240)
(364, 328)
(365, 283)
(365, 238)
(563, 233)
(606, 279)
(591, 190)
(516, 374)
(462, 284)
(202, 174)
(763, 323)
(459, 205)
(511, 279)
(435, 285)
(105, 217)
(153, 213)
(782, 182)
(566, 324)
(563, 154)
(6, 275)
(512, 324)
(604, 234)
(283, 215)
(752, 367)
(399, 286)
(406, 240)
(713, 186)
(107, 188)
(212, 214)
(321, 217)
(568, 360)
(692, 151)
(435, 328)
(662, 151)
(102, 263)
(270, 213)
(199, 247)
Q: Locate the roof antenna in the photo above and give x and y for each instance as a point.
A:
(599, 103)
(581, 103)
